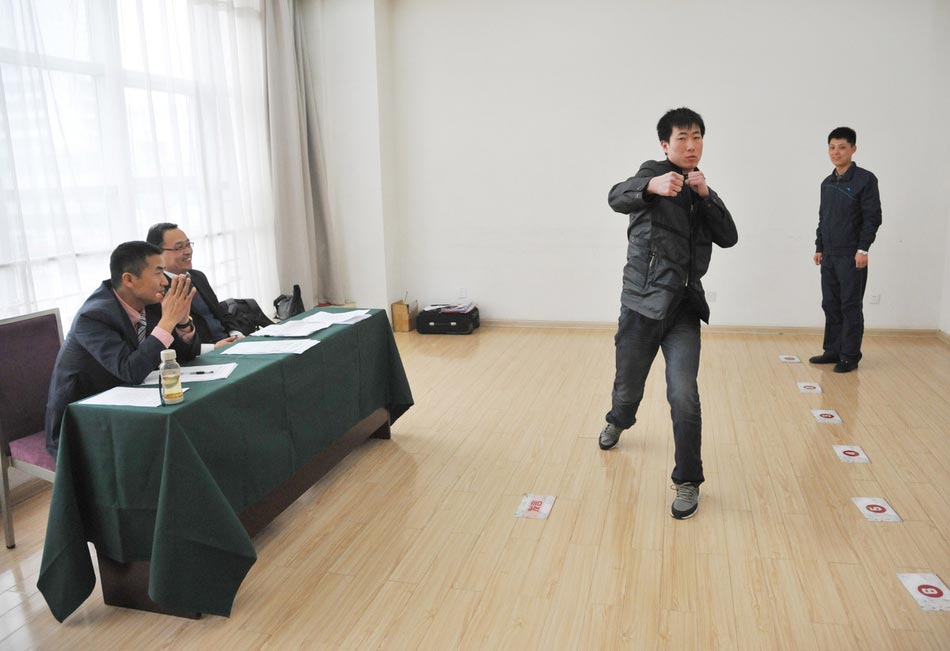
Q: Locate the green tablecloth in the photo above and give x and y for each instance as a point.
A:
(166, 484)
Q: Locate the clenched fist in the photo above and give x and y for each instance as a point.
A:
(667, 185)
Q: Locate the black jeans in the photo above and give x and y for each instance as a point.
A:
(842, 296)
(637, 341)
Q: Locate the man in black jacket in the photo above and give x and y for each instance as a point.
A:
(212, 321)
(848, 219)
(120, 331)
(674, 220)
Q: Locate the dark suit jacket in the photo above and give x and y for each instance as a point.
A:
(200, 282)
(102, 351)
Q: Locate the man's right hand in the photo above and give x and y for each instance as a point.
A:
(176, 305)
(817, 258)
(667, 185)
(221, 343)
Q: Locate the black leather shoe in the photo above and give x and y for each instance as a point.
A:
(824, 358)
(845, 367)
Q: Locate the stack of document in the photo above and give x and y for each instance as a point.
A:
(328, 319)
(313, 323)
(270, 347)
(298, 328)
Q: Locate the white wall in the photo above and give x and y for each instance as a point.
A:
(504, 124)
(943, 55)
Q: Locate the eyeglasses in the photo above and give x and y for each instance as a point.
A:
(181, 246)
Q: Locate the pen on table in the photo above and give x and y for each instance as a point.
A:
(201, 373)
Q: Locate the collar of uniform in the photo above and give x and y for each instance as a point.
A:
(848, 173)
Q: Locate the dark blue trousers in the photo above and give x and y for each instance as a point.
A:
(637, 341)
(842, 298)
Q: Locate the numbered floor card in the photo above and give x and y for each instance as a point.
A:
(851, 454)
(534, 506)
(809, 387)
(928, 591)
(876, 509)
(789, 359)
(826, 415)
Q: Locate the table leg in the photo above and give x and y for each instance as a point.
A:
(126, 585)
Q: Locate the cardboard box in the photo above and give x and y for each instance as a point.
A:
(404, 315)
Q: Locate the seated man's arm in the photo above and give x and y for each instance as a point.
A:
(100, 335)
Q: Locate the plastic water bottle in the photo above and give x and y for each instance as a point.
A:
(169, 373)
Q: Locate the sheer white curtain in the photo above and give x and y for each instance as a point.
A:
(117, 114)
(306, 238)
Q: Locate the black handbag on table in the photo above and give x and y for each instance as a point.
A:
(288, 306)
(246, 315)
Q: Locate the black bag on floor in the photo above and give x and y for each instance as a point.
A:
(448, 320)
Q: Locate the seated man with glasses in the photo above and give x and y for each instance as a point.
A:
(214, 325)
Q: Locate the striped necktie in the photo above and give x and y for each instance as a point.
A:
(140, 328)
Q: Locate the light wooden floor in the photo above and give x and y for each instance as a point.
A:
(411, 543)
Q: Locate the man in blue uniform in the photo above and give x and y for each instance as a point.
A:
(848, 219)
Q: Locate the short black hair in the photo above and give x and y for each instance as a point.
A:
(683, 118)
(131, 257)
(843, 133)
(156, 234)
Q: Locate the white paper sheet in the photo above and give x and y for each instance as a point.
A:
(789, 359)
(298, 328)
(928, 591)
(126, 397)
(851, 454)
(338, 318)
(876, 509)
(198, 373)
(826, 415)
(536, 507)
(809, 387)
(271, 347)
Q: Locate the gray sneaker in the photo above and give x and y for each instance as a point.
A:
(686, 502)
(609, 436)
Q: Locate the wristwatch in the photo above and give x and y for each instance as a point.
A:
(188, 327)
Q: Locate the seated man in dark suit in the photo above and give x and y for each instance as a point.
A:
(120, 331)
(214, 324)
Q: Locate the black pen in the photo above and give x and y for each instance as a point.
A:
(201, 373)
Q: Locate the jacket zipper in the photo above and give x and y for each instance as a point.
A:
(689, 225)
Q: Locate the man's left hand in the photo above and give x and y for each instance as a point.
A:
(697, 181)
(224, 342)
(860, 260)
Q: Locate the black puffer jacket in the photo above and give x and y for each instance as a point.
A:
(850, 212)
(669, 242)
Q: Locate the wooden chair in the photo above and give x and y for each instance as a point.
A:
(28, 348)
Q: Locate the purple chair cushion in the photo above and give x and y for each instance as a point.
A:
(32, 449)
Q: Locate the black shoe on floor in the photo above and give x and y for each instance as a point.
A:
(845, 366)
(824, 358)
